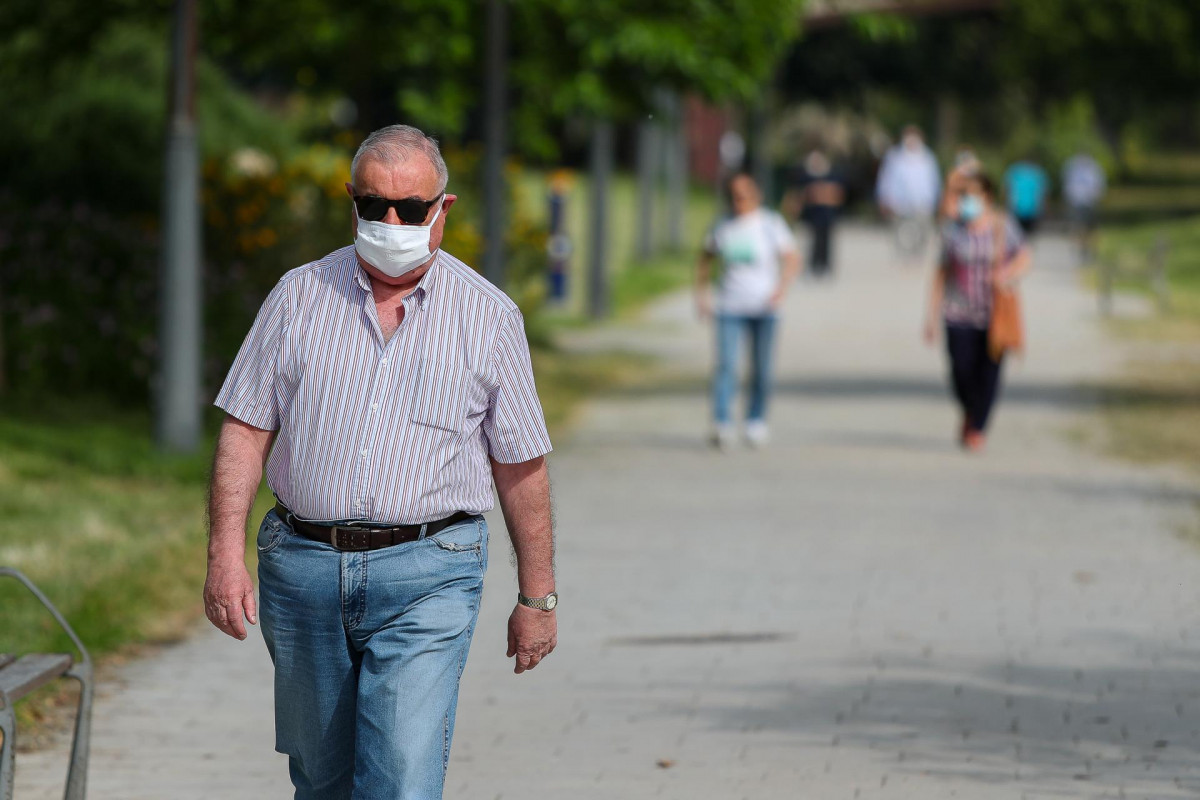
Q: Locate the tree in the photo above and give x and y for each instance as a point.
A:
(1128, 55)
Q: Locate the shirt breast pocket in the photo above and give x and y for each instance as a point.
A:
(440, 399)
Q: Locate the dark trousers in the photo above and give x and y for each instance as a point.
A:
(973, 373)
(820, 224)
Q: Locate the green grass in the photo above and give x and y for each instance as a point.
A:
(1133, 203)
(1129, 246)
(566, 379)
(111, 529)
(1153, 414)
(634, 282)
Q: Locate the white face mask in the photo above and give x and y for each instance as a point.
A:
(394, 249)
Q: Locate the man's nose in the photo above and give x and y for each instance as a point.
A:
(392, 218)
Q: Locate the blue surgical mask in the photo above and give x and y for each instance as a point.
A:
(970, 206)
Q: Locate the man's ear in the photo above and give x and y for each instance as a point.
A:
(448, 201)
(350, 190)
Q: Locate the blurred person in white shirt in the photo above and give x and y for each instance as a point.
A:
(907, 191)
(759, 260)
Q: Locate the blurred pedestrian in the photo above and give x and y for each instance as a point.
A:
(1025, 187)
(1084, 184)
(983, 248)
(817, 196)
(759, 260)
(965, 158)
(907, 191)
(395, 386)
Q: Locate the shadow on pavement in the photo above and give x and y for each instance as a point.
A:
(1136, 726)
(1017, 390)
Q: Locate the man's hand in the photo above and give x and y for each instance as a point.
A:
(532, 635)
(228, 594)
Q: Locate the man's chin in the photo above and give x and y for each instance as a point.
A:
(411, 276)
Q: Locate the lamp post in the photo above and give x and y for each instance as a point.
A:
(495, 111)
(178, 426)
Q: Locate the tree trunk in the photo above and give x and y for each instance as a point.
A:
(648, 159)
(675, 161)
(601, 171)
(494, 142)
(760, 156)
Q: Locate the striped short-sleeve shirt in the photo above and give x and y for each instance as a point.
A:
(398, 431)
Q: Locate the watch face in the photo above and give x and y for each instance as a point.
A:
(551, 602)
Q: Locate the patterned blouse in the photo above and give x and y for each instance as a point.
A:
(967, 258)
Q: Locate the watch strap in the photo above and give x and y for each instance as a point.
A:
(546, 603)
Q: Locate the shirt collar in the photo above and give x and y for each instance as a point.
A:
(429, 279)
(424, 286)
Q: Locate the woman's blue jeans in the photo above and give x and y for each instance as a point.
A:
(368, 650)
(730, 328)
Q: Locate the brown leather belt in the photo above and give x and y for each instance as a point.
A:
(365, 535)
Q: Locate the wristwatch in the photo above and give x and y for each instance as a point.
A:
(546, 603)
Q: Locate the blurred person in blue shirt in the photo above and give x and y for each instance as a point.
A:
(1026, 185)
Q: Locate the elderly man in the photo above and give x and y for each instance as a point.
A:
(394, 384)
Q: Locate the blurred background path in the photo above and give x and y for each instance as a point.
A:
(860, 610)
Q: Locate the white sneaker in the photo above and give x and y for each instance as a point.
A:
(757, 434)
(724, 437)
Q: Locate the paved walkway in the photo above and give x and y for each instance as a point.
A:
(858, 611)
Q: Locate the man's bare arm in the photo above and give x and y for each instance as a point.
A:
(524, 491)
(704, 265)
(237, 470)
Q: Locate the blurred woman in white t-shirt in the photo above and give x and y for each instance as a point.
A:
(759, 260)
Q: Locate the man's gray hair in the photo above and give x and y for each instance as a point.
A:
(396, 143)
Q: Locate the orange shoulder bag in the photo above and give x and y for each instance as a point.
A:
(1006, 331)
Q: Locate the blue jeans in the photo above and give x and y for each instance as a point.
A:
(729, 339)
(368, 650)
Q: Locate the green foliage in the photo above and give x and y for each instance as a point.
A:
(880, 28)
(1065, 128)
(93, 125)
(1137, 60)
(418, 60)
(1125, 51)
(75, 287)
(424, 64)
(608, 58)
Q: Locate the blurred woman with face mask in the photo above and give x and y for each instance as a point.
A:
(982, 248)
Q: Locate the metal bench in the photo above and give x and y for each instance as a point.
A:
(24, 675)
(1150, 268)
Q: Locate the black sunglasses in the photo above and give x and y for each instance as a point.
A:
(410, 210)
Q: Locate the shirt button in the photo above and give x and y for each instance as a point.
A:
(374, 406)
(383, 363)
(364, 454)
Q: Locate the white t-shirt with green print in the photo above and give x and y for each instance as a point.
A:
(750, 249)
